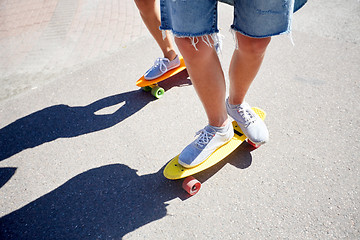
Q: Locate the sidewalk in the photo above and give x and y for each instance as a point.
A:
(42, 39)
(82, 148)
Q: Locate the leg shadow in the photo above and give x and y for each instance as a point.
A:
(103, 203)
(5, 175)
(63, 121)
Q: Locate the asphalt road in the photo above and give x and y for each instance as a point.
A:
(82, 148)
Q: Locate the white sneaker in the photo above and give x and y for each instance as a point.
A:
(161, 66)
(209, 140)
(250, 123)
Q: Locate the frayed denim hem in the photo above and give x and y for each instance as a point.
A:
(213, 39)
(233, 30)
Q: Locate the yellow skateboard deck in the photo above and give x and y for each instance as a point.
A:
(174, 170)
(152, 85)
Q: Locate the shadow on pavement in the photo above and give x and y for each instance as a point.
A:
(63, 121)
(6, 174)
(103, 203)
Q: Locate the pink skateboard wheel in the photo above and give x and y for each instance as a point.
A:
(191, 185)
(253, 144)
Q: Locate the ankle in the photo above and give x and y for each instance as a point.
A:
(219, 124)
(235, 100)
(170, 54)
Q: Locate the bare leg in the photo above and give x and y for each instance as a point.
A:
(245, 64)
(207, 77)
(150, 13)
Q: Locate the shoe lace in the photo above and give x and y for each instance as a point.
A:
(247, 116)
(160, 62)
(204, 138)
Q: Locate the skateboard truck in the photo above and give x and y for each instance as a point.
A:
(155, 90)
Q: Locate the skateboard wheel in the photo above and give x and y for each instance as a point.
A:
(191, 185)
(253, 144)
(157, 92)
(146, 89)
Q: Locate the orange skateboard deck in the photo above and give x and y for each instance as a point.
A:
(174, 170)
(152, 85)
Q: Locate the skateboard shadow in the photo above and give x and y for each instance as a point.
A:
(240, 158)
(5, 175)
(102, 203)
(107, 202)
(63, 121)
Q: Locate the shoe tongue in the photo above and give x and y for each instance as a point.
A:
(210, 129)
(244, 105)
(166, 59)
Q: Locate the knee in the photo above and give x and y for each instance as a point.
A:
(185, 46)
(254, 46)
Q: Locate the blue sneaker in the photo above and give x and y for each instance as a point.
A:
(209, 140)
(161, 66)
(250, 123)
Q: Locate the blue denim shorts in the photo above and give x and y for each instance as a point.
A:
(253, 18)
